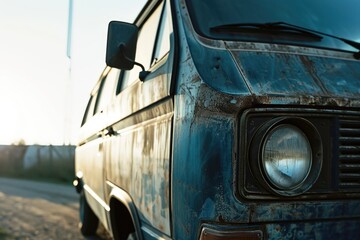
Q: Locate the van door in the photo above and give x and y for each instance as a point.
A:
(139, 151)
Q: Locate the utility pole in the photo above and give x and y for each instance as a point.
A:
(68, 82)
(69, 29)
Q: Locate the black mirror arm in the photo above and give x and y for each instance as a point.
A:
(143, 73)
(357, 55)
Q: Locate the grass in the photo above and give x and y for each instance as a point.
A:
(52, 165)
(4, 235)
(57, 171)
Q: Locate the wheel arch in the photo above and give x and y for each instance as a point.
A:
(122, 206)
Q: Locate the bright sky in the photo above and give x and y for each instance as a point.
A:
(40, 101)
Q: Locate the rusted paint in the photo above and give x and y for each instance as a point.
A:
(309, 66)
(177, 154)
(140, 163)
(344, 229)
(273, 73)
(307, 211)
(218, 81)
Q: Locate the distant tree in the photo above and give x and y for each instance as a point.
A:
(19, 142)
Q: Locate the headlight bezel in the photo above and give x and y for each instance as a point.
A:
(256, 159)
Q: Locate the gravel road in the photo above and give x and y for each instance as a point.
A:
(36, 210)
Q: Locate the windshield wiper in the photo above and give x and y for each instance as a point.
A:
(283, 27)
(267, 28)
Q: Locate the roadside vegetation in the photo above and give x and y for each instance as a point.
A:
(4, 235)
(35, 162)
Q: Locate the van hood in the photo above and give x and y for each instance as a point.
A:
(278, 73)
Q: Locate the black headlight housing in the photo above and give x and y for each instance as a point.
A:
(271, 164)
(286, 155)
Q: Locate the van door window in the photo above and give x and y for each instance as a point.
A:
(163, 37)
(145, 46)
(107, 89)
(89, 109)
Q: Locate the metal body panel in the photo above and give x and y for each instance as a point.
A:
(335, 229)
(89, 160)
(272, 73)
(138, 161)
(217, 82)
(136, 158)
(134, 133)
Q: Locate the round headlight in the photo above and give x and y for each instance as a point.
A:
(286, 157)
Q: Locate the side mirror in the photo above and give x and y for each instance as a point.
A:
(121, 45)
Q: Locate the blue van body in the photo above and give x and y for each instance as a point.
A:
(243, 124)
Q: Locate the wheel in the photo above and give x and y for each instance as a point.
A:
(132, 236)
(125, 236)
(89, 221)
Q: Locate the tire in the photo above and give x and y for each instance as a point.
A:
(132, 236)
(89, 221)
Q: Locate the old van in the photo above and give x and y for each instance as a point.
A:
(226, 120)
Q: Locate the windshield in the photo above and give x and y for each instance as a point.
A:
(334, 17)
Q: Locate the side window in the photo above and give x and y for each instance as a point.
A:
(107, 89)
(145, 46)
(102, 94)
(163, 37)
(90, 108)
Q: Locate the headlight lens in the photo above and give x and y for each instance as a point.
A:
(285, 154)
(286, 157)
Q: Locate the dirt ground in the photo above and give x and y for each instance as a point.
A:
(34, 210)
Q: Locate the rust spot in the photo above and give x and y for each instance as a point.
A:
(309, 66)
(161, 227)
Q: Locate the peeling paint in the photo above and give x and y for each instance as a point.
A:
(219, 81)
(181, 152)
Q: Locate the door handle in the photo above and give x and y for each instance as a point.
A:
(110, 132)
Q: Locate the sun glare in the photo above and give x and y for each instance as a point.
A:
(40, 101)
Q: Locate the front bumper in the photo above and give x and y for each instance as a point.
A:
(320, 230)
